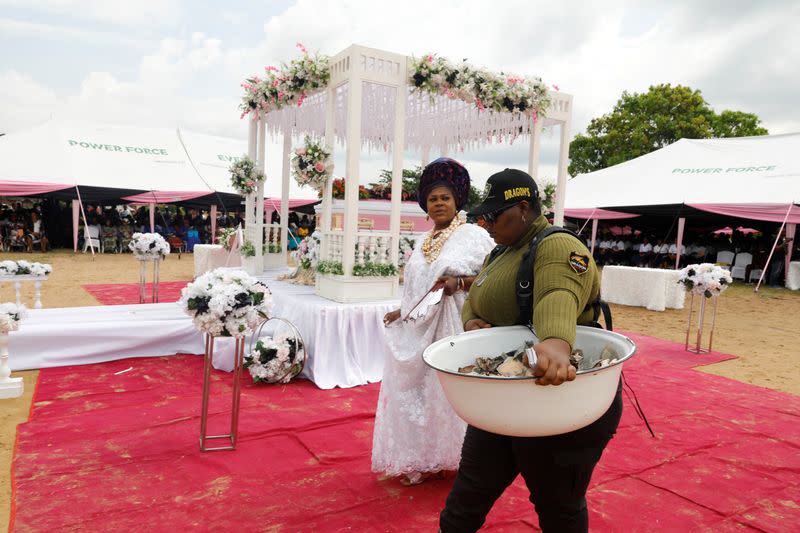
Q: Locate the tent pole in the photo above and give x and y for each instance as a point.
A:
(774, 245)
(85, 223)
(594, 234)
(76, 216)
(679, 243)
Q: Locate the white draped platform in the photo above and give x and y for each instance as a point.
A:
(793, 276)
(345, 342)
(653, 288)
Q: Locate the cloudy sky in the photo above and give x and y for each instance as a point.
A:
(179, 62)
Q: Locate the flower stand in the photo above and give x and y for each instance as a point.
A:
(9, 387)
(37, 287)
(231, 437)
(143, 278)
(697, 348)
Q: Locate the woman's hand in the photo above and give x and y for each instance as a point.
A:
(451, 285)
(552, 362)
(390, 317)
(476, 323)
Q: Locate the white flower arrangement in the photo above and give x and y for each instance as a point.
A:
(148, 246)
(287, 85)
(307, 253)
(224, 238)
(406, 249)
(276, 360)
(226, 302)
(312, 164)
(245, 175)
(10, 316)
(487, 90)
(705, 279)
(25, 268)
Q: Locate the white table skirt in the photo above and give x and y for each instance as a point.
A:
(210, 256)
(653, 288)
(345, 343)
(793, 276)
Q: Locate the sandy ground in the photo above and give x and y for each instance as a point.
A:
(762, 330)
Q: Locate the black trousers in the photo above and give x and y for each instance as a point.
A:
(556, 469)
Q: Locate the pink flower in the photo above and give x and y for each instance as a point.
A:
(301, 99)
(556, 87)
(319, 166)
(251, 183)
(302, 48)
(479, 104)
(301, 151)
(276, 83)
(429, 59)
(270, 69)
(535, 115)
(280, 94)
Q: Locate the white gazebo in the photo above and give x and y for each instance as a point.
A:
(360, 106)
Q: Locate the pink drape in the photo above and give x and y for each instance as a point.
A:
(602, 214)
(165, 197)
(213, 223)
(76, 210)
(765, 212)
(681, 226)
(27, 188)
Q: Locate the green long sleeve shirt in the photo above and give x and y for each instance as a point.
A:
(561, 291)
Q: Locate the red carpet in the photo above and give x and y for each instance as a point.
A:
(105, 452)
(128, 293)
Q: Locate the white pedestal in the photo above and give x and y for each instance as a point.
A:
(350, 289)
(274, 260)
(9, 387)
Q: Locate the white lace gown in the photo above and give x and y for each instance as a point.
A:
(416, 430)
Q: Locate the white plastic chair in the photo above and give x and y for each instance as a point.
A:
(724, 258)
(91, 235)
(740, 265)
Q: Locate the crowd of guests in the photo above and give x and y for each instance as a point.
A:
(300, 226)
(648, 251)
(21, 229)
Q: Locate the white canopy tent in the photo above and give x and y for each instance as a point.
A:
(98, 162)
(747, 177)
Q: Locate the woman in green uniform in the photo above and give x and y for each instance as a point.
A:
(556, 469)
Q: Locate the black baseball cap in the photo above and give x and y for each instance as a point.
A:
(505, 188)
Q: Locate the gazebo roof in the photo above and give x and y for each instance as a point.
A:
(432, 121)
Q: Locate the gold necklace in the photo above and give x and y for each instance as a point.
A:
(434, 240)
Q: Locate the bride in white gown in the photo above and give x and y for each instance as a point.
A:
(416, 431)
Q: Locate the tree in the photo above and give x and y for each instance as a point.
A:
(642, 123)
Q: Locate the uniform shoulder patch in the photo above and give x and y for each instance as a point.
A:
(578, 262)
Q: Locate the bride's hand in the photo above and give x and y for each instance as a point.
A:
(391, 316)
(450, 284)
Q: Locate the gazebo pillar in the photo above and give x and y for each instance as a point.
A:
(561, 184)
(249, 213)
(398, 147)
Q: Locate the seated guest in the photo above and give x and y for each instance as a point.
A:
(645, 253)
(606, 252)
(660, 251)
(672, 254)
(108, 235)
(37, 232)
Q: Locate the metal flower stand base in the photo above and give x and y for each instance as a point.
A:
(697, 348)
(9, 387)
(238, 357)
(143, 279)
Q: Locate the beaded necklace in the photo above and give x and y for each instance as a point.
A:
(432, 245)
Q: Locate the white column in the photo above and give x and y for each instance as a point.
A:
(249, 214)
(287, 149)
(259, 200)
(534, 151)
(398, 147)
(352, 170)
(679, 243)
(327, 191)
(561, 184)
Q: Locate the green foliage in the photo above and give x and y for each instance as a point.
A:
(642, 123)
(369, 268)
(330, 267)
(248, 249)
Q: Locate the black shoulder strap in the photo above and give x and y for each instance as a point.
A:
(524, 284)
(495, 253)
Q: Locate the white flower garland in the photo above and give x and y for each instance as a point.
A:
(275, 360)
(705, 279)
(226, 302)
(487, 90)
(10, 316)
(312, 164)
(24, 268)
(148, 246)
(245, 176)
(286, 86)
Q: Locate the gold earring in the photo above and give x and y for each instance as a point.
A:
(523, 219)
